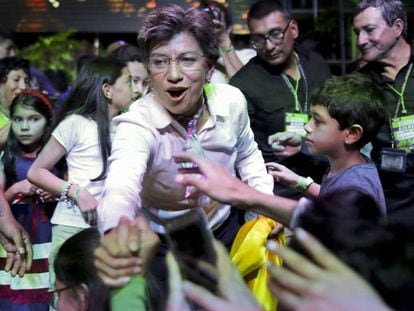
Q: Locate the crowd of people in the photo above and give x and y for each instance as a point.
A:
(272, 153)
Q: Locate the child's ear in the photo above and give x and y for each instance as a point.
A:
(354, 134)
(83, 295)
(107, 91)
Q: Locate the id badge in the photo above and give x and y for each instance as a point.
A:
(402, 129)
(393, 160)
(295, 122)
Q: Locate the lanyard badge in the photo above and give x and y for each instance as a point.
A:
(402, 130)
(402, 133)
(295, 122)
(393, 160)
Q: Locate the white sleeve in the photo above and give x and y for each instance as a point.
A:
(131, 150)
(249, 161)
(67, 131)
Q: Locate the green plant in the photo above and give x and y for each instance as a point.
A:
(58, 51)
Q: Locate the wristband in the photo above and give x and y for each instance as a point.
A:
(76, 193)
(303, 183)
(227, 49)
(64, 191)
(65, 187)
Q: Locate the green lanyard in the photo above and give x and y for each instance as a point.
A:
(401, 93)
(294, 89)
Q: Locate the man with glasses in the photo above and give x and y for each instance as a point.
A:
(381, 29)
(277, 83)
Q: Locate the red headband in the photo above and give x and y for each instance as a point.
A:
(39, 95)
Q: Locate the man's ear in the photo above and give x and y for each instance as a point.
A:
(354, 134)
(294, 29)
(399, 26)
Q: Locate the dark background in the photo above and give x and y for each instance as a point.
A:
(325, 25)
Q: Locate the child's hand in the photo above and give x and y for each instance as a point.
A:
(46, 196)
(24, 187)
(87, 204)
(282, 174)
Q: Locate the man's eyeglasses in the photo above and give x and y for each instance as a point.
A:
(188, 61)
(275, 36)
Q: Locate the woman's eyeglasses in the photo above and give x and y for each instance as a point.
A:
(188, 61)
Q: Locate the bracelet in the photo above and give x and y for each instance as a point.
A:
(303, 183)
(227, 50)
(65, 187)
(64, 191)
(76, 193)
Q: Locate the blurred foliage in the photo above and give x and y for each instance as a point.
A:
(57, 51)
(327, 20)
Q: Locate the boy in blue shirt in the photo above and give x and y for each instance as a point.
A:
(346, 113)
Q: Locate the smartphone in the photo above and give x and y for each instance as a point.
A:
(191, 242)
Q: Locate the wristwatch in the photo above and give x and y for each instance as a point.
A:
(303, 183)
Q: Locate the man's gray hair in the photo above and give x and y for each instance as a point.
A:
(391, 10)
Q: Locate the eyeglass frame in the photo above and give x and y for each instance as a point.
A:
(177, 60)
(54, 295)
(268, 36)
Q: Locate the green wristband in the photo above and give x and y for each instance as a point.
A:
(65, 187)
(303, 183)
(227, 50)
(76, 193)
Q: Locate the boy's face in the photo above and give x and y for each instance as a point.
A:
(323, 135)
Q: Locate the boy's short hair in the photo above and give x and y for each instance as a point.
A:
(353, 99)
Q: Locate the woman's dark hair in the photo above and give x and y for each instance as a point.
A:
(74, 266)
(12, 63)
(128, 53)
(41, 104)
(87, 99)
(163, 24)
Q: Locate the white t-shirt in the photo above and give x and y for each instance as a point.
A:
(79, 136)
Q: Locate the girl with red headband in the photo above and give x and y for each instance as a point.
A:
(31, 117)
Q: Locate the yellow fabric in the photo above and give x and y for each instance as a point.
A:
(250, 255)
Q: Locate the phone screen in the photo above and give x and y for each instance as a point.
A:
(191, 242)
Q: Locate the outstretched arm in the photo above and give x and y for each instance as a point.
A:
(290, 179)
(219, 184)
